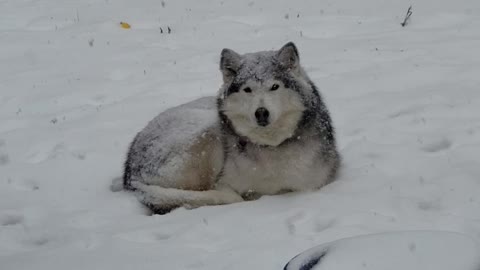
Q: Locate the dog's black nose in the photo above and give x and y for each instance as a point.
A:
(262, 115)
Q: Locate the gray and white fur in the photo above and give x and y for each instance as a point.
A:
(268, 132)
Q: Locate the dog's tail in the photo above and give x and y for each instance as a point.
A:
(163, 200)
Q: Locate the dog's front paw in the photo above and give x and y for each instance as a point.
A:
(251, 195)
(231, 197)
(228, 195)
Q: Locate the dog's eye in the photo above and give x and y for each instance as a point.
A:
(274, 87)
(247, 90)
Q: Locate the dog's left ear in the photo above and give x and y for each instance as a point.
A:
(288, 56)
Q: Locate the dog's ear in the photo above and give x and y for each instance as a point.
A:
(288, 56)
(229, 64)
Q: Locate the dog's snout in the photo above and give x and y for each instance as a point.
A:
(262, 115)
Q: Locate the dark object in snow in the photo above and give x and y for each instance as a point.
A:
(169, 30)
(407, 17)
(309, 263)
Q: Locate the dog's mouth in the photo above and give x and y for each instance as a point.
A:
(263, 123)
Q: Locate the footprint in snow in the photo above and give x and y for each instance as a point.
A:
(4, 159)
(406, 112)
(39, 241)
(292, 222)
(11, 219)
(145, 237)
(78, 155)
(50, 151)
(45, 152)
(437, 146)
(434, 205)
(322, 225)
(117, 184)
(24, 185)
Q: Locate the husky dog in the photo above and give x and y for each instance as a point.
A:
(268, 132)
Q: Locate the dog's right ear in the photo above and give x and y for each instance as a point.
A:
(229, 64)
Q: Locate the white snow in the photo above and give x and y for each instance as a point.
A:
(75, 88)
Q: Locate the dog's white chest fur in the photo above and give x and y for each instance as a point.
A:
(272, 170)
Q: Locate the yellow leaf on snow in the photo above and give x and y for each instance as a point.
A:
(125, 25)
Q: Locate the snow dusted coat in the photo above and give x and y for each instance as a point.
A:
(268, 132)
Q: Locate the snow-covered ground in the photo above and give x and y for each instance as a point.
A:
(75, 87)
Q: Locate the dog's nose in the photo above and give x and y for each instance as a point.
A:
(262, 115)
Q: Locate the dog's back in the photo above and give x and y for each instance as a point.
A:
(175, 141)
(175, 160)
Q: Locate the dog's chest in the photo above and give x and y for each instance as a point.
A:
(273, 170)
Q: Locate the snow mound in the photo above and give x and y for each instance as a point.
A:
(416, 250)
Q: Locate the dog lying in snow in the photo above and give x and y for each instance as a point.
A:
(267, 132)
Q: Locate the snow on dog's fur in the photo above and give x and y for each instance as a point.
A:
(267, 133)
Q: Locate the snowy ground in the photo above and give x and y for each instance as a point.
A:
(75, 88)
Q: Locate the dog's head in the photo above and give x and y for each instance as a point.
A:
(264, 93)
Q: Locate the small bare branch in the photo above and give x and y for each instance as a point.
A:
(407, 17)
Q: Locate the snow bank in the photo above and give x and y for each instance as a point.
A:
(395, 251)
